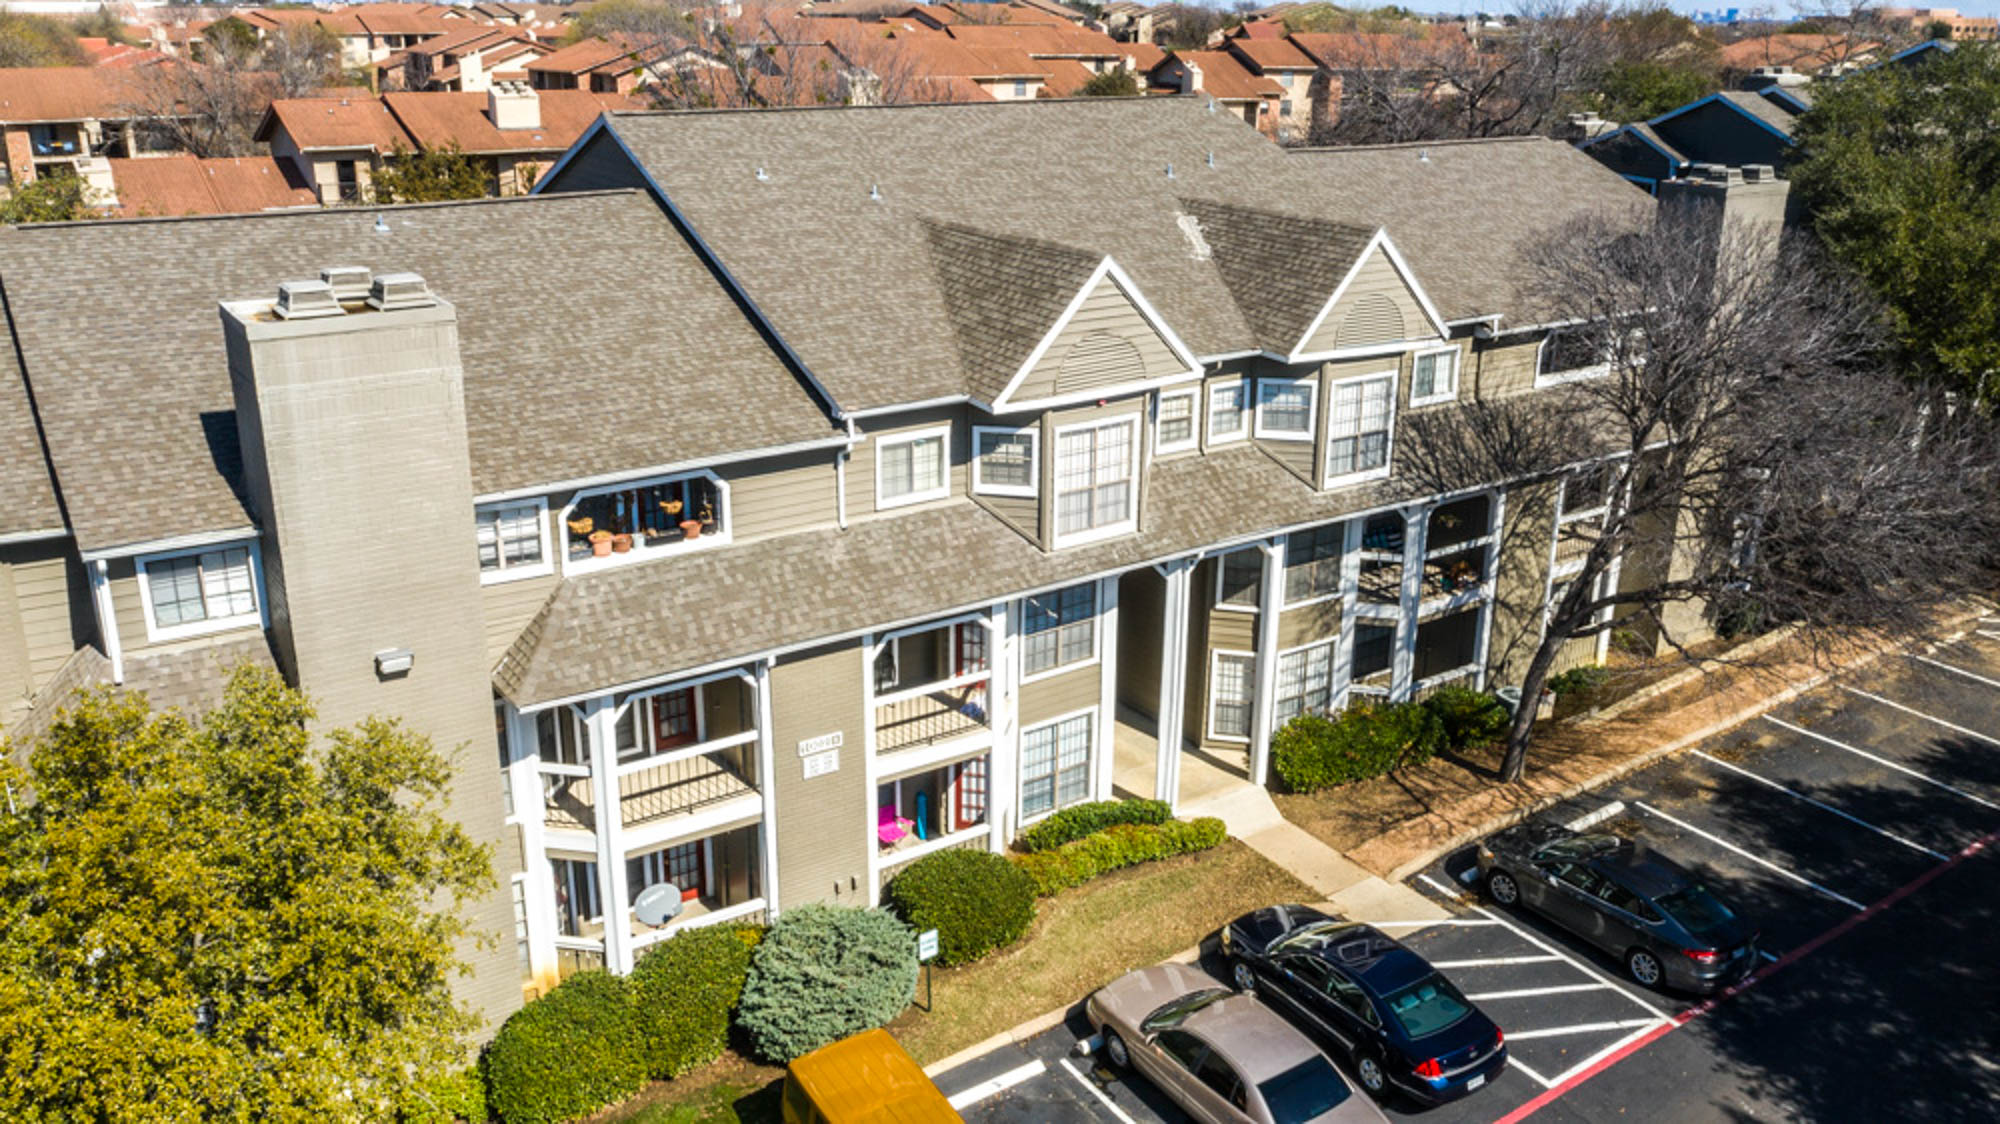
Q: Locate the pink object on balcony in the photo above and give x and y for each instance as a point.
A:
(889, 827)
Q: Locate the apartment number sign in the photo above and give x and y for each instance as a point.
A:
(821, 755)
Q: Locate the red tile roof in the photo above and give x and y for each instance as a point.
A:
(437, 120)
(1224, 76)
(189, 185)
(1804, 52)
(581, 57)
(1273, 54)
(68, 93)
(323, 123)
(1041, 40)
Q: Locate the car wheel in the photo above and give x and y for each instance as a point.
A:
(1114, 1050)
(1644, 967)
(1242, 976)
(1501, 887)
(1368, 1070)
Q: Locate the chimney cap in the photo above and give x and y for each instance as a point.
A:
(306, 300)
(392, 291)
(348, 282)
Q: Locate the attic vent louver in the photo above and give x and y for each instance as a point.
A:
(349, 282)
(306, 300)
(393, 291)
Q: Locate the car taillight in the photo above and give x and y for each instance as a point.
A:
(1430, 1068)
(1499, 1036)
(1702, 955)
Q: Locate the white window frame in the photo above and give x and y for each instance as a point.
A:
(1193, 396)
(1090, 773)
(984, 487)
(1024, 677)
(157, 633)
(1436, 396)
(1388, 439)
(1221, 562)
(1109, 530)
(1284, 573)
(1215, 658)
(1557, 378)
(508, 573)
(726, 516)
(923, 495)
(1265, 433)
(1240, 387)
(1332, 678)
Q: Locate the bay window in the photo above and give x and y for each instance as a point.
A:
(1434, 377)
(1228, 414)
(1174, 416)
(1094, 479)
(1004, 461)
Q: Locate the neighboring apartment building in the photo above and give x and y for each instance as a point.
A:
(718, 582)
(464, 60)
(1734, 128)
(1225, 80)
(69, 119)
(184, 184)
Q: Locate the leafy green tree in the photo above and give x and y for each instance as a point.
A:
(1937, 29)
(230, 919)
(28, 40)
(431, 176)
(48, 198)
(1637, 89)
(1116, 83)
(1895, 168)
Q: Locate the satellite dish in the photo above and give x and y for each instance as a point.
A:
(657, 904)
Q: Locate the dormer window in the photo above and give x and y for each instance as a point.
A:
(1360, 414)
(1567, 354)
(1175, 417)
(605, 526)
(1434, 377)
(1095, 490)
(1285, 409)
(912, 467)
(194, 592)
(513, 540)
(1005, 461)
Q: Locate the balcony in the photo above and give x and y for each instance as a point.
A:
(651, 790)
(934, 712)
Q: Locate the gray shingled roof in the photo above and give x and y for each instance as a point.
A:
(187, 679)
(593, 340)
(1465, 213)
(1762, 108)
(1001, 294)
(1281, 268)
(27, 498)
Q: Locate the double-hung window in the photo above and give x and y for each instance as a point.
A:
(1004, 461)
(511, 540)
(199, 591)
(1374, 650)
(1055, 765)
(1094, 480)
(1228, 413)
(1434, 377)
(1174, 420)
(1312, 563)
(1239, 579)
(1061, 628)
(1229, 695)
(1305, 682)
(1358, 426)
(912, 467)
(1285, 409)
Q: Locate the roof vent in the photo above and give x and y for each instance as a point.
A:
(306, 300)
(349, 282)
(1170, 169)
(875, 192)
(392, 291)
(381, 225)
(762, 176)
(1211, 158)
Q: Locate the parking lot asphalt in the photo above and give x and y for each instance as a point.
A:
(1847, 823)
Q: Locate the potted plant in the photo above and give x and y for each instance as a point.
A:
(621, 543)
(581, 525)
(707, 516)
(690, 528)
(600, 543)
(671, 507)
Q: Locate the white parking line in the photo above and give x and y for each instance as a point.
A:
(1577, 964)
(1515, 1063)
(1426, 924)
(1096, 1092)
(1448, 893)
(1967, 731)
(1493, 962)
(1726, 844)
(966, 1097)
(1579, 1028)
(1856, 820)
(1883, 761)
(1956, 670)
(1526, 992)
(1604, 1053)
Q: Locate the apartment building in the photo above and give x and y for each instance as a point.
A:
(837, 511)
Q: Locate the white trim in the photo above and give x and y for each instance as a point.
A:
(676, 468)
(1380, 240)
(1436, 396)
(1136, 452)
(714, 917)
(891, 859)
(1096, 657)
(157, 633)
(1194, 396)
(1130, 291)
(1215, 658)
(1389, 434)
(34, 536)
(940, 433)
(909, 407)
(1221, 563)
(506, 573)
(900, 764)
(107, 617)
(1311, 382)
(589, 563)
(1094, 394)
(1573, 374)
(1055, 797)
(741, 811)
(1242, 388)
(1271, 596)
(1103, 750)
(980, 487)
(170, 545)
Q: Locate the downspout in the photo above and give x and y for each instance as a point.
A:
(107, 618)
(840, 474)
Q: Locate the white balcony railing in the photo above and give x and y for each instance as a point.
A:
(934, 712)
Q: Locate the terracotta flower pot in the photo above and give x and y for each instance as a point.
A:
(690, 894)
(621, 543)
(691, 528)
(601, 548)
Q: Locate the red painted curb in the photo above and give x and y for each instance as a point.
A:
(1550, 1096)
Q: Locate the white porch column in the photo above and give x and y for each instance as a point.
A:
(767, 787)
(538, 889)
(1004, 697)
(1179, 574)
(870, 645)
(1104, 757)
(601, 722)
(1270, 604)
(1350, 598)
(1416, 528)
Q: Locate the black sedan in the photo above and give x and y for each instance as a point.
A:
(1630, 901)
(1404, 1026)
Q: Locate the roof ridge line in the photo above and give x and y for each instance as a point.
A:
(293, 212)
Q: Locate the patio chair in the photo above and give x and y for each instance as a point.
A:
(891, 828)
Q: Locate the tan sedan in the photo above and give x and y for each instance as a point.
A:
(1223, 1057)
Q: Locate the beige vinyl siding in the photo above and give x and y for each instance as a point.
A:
(823, 825)
(46, 605)
(1229, 371)
(781, 495)
(1494, 370)
(1221, 630)
(127, 609)
(1107, 343)
(1309, 624)
(1023, 513)
(861, 466)
(508, 607)
(1063, 693)
(1377, 307)
(1301, 457)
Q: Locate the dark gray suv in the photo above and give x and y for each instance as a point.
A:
(1635, 904)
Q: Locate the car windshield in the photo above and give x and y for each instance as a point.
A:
(1698, 911)
(1304, 1092)
(1428, 1006)
(1578, 847)
(1173, 1012)
(1306, 936)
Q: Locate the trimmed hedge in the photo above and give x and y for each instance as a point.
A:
(1471, 718)
(685, 990)
(1072, 824)
(824, 972)
(567, 1054)
(976, 900)
(1366, 740)
(1120, 845)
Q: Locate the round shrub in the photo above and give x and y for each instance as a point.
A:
(1470, 718)
(1313, 752)
(446, 1099)
(567, 1054)
(976, 900)
(1076, 822)
(685, 990)
(824, 972)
